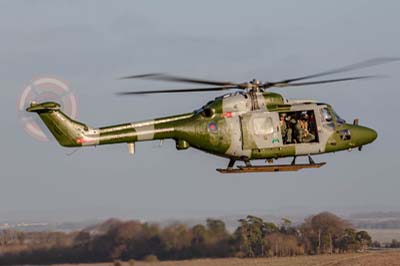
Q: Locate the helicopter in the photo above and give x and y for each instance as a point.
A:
(250, 123)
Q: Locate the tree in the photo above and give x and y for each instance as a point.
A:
(250, 236)
(121, 235)
(279, 244)
(321, 231)
(217, 242)
(348, 241)
(176, 240)
(242, 240)
(148, 240)
(287, 227)
(199, 239)
(216, 228)
(82, 238)
(364, 239)
(199, 233)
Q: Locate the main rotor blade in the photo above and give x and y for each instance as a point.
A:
(360, 65)
(179, 90)
(171, 78)
(142, 76)
(323, 81)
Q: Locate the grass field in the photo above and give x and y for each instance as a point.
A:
(375, 258)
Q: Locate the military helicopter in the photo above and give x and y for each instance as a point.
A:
(251, 123)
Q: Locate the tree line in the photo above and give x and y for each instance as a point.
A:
(126, 240)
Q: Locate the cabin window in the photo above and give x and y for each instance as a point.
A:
(298, 127)
(263, 125)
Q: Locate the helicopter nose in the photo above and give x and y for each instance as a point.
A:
(363, 135)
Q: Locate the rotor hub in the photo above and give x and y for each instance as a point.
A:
(255, 82)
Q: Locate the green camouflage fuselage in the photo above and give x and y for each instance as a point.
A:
(238, 126)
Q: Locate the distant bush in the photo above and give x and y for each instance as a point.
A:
(395, 244)
(376, 244)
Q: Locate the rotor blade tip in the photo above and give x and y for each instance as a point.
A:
(148, 75)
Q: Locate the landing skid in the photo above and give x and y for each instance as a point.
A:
(269, 168)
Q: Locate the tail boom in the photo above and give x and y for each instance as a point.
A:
(161, 128)
(70, 133)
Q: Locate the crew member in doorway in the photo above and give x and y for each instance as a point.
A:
(304, 135)
(283, 125)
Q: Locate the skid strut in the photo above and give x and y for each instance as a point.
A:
(231, 163)
(294, 160)
(310, 160)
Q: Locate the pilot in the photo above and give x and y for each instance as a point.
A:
(304, 135)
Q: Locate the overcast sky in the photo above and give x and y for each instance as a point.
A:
(91, 43)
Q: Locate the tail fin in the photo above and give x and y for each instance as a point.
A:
(69, 133)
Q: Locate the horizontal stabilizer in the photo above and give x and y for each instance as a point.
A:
(43, 107)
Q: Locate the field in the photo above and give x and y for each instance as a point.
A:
(375, 258)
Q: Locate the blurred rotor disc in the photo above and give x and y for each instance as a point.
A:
(44, 89)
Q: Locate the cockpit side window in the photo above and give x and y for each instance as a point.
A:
(339, 120)
(326, 118)
(326, 114)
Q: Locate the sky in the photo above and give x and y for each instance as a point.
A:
(89, 44)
